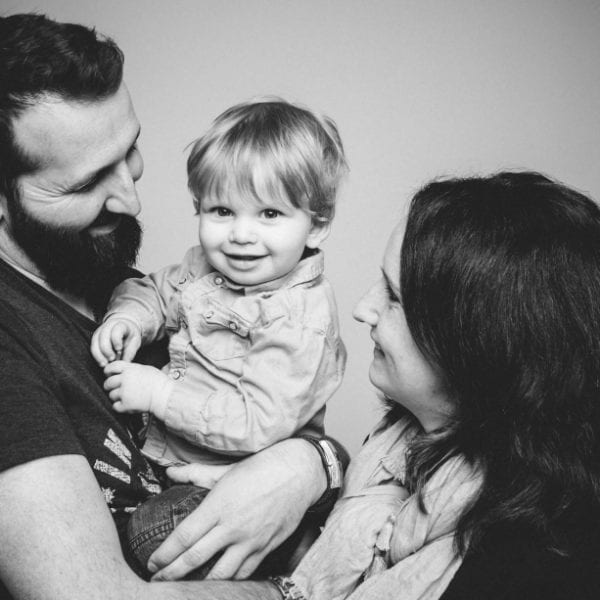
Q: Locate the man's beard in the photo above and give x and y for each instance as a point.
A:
(73, 261)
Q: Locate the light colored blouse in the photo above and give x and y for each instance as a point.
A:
(377, 543)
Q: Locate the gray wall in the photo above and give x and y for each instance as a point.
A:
(418, 88)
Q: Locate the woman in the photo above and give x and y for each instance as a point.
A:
(486, 326)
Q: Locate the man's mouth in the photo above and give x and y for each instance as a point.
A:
(104, 223)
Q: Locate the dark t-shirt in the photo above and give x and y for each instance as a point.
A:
(51, 396)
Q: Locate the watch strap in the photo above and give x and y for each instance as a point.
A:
(332, 466)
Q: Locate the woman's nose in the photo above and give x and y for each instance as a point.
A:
(368, 307)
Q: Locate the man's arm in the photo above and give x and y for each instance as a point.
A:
(59, 542)
(251, 511)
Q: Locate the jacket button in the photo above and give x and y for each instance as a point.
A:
(218, 280)
(233, 326)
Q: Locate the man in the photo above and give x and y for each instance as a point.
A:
(68, 233)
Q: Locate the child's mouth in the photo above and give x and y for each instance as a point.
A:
(243, 257)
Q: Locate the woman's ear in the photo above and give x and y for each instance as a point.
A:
(318, 234)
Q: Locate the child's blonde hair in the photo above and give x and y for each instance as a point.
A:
(270, 148)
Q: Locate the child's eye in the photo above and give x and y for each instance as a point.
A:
(271, 213)
(221, 211)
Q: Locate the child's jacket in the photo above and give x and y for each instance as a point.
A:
(252, 364)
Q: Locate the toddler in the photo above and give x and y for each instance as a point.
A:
(254, 346)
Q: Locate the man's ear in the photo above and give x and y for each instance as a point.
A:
(318, 234)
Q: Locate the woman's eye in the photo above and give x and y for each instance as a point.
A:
(392, 297)
(271, 213)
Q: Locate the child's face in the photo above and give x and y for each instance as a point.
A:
(253, 242)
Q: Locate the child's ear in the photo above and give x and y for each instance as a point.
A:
(318, 234)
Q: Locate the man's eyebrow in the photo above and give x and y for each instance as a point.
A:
(98, 174)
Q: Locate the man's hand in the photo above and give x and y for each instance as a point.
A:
(253, 508)
(137, 388)
(116, 339)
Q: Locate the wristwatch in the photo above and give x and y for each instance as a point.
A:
(287, 588)
(333, 469)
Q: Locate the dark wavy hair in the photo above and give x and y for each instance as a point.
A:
(500, 281)
(40, 57)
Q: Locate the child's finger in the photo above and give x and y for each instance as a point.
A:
(118, 406)
(116, 395)
(115, 367)
(198, 474)
(132, 345)
(112, 383)
(119, 332)
(98, 352)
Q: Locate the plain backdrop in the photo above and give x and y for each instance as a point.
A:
(419, 89)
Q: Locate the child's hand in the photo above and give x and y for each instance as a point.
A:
(137, 388)
(116, 339)
(198, 474)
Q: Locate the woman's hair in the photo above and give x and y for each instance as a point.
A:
(500, 281)
(269, 148)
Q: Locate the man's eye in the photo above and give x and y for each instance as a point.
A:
(271, 213)
(90, 185)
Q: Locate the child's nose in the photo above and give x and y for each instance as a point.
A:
(242, 232)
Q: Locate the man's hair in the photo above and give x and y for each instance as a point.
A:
(500, 282)
(41, 58)
(270, 148)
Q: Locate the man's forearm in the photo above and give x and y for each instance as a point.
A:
(213, 590)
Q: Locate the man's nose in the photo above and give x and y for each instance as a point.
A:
(122, 197)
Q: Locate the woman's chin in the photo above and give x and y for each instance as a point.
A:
(377, 380)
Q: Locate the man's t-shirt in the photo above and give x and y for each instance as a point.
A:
(51, 396)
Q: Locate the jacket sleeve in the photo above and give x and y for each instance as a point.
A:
(146, 300)
(288, 374)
